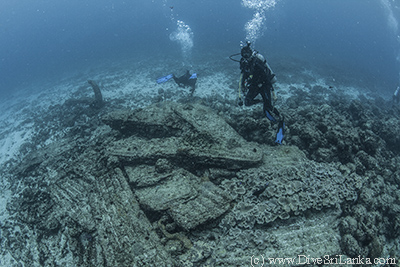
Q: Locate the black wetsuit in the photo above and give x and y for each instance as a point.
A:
(258, 79)
(186, 80)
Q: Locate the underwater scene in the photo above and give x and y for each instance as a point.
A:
(200, 133)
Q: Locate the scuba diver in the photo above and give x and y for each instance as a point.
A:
(256, 77)
(186, 80)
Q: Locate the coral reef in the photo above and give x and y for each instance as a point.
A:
(358, 135)
(188, 185)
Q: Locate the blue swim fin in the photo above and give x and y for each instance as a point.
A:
(270, 117)
(281, 133)
(165, 78)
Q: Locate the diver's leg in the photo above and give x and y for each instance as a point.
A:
(176, 79)
(268, 108)
(251, 94)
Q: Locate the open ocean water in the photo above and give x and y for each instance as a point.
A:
(47, 40)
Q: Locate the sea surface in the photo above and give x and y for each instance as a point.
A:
(45, 41)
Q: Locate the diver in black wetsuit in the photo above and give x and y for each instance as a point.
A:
(257, 78)
(186, 80)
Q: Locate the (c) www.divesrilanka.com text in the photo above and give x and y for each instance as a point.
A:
(307, 259)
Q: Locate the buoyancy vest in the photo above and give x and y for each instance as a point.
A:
(256, 70)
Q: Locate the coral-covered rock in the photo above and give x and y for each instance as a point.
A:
(176, 185)
(192, 136)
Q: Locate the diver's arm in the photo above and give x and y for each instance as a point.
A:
(241, 82)
(240, 89)
(274, 95)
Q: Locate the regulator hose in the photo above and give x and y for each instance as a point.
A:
(234, 55)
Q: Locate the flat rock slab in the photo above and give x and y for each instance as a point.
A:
(144, 176)
(186, 134)
(210, 203)
(189, 201)
(171, 119)
(179, 187)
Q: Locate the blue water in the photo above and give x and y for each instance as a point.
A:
(47, 39)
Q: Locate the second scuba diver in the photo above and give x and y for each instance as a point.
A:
(256, 77)
(186, 80)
